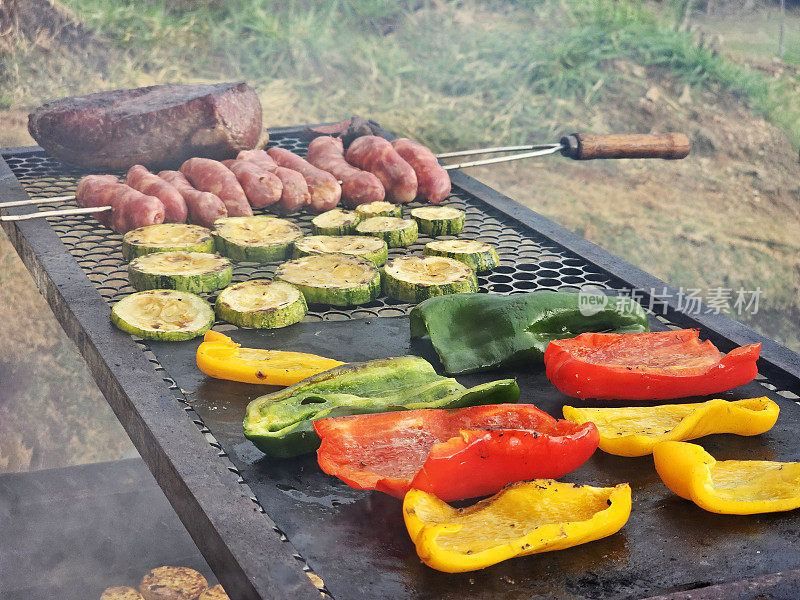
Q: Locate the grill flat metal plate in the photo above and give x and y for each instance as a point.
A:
(357, 542)
(381, 562)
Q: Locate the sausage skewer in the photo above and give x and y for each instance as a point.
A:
(576, 146)
(295, 194)
(130, 207)
(378, 156)
(209, 175)
(324, 188)
(358, 187)
(262, 187)
(139, 178)
(116, 205)
(203, 207)
(433, 181)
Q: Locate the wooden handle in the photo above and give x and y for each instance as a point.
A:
(585, 146)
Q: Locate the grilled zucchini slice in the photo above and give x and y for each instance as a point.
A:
(261, 304)
(413, 279)
(335, 222)
(439, 220)
(166, 237)
(257, 239)
(396, 232)
(194, 272)
(336, 279)
(480, 256)
(372, 248)
(165, 315)
(379, 209)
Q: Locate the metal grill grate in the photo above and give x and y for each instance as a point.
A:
(527, 263)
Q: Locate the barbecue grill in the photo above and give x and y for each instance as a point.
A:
(262, 524)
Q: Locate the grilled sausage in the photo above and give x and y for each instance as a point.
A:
(204, 207)
(130, 208)
(432, 179)
(209, 175)
(260, 157)
(358, 187)
(376, 155)
(324, 189)
(295, 193)
(261, 187)
(175, 210)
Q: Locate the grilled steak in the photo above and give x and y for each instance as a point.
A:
(158, 126)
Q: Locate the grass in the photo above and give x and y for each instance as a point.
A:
(756, 35)
(418, 67)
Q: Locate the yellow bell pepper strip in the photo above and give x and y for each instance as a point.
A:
(729, 487)
(220, 357)
(634, 431)
(524, 518)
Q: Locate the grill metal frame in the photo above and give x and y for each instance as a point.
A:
(211, 499)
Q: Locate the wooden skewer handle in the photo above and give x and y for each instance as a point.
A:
(585, 146)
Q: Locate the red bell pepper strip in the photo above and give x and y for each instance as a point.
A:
(453, 454)
(646, 366)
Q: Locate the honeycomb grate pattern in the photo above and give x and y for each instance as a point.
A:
(527, 261)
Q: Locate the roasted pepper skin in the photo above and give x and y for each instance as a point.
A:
(730, 487)
(475, 332)
(524, 518)
(280, 424)
(222, 358)
(634, 431)
(608, 366)
(453, 454)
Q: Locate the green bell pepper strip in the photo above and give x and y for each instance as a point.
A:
(280, 424)
(475, 332)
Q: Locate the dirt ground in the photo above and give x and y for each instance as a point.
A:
(726, 217)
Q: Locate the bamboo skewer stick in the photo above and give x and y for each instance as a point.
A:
(66, 212)
(51, 200)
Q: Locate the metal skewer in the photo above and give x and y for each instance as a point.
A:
(66, 212)
(577, 146)
(543, 150)
(548, 149)
(496, 149)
